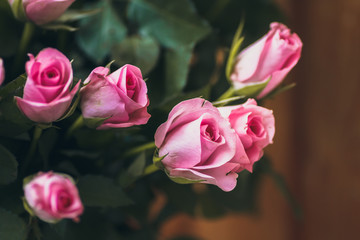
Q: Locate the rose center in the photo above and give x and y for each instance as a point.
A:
(256, 127)
(209, 131)
(130, 85)
(64, 199)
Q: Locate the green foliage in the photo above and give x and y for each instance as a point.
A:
(8, 166)
(135, 170)
(12, 121)
(99, 33)
(141, 51)
(172, 23)
(181, 47)
(11, 226)
(176, 69)
(252, 90)
(100, 191)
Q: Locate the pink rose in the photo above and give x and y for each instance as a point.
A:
(272, 56)
(44, 11)
(120, 98)
(47, 93)
(254, 125)
(52, 197)
(198, 145)
(2, 71)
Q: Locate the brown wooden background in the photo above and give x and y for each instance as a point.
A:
(317, 141)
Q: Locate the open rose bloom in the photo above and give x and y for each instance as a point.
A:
(254, 125)
(47, 91)
(198, 145)
(120, 98)
(271, 57)
(52, 197)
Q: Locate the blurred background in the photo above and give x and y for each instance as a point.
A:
(317, 138)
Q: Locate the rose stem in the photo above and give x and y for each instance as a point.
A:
(79, 122)
(24, 42)
(139, 149)
(150, 169)
(37, 133)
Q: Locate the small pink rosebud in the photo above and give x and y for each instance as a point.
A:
(271, 57)
(120, 98)
(52, 197)
(47, 93)
(40, 11)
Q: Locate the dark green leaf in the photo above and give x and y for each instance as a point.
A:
(12, 121)
(141, 51)
(11, 226)
(8, 166)
(99, 33)
(172, 23)
(176, 69)
(94, 122)
(59, 26)
(135, 170)
(100, 191)
(73, 15)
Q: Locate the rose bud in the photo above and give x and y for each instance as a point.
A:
(2, 71)
(196, 144)
(120, 99)
(254, 125)
(268, 59)
(52, 197)
(39, 11)
(47, 93)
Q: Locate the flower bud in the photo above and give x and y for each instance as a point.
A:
(262, 66)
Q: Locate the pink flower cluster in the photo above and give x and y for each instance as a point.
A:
(202, 143)
(197, 143)
(120, 98)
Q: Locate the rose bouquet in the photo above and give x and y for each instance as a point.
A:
(119, 104)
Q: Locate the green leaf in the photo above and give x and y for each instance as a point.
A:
(99, 33)
(94, 122)
(100, 191)
(73, 15)
(59, 26)
(11, 226)
(135, 170)
(141, 51)
(14, 86)
(8, 166)
(12, 121)
(177, 63)
(252, 90)
(172, 23)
